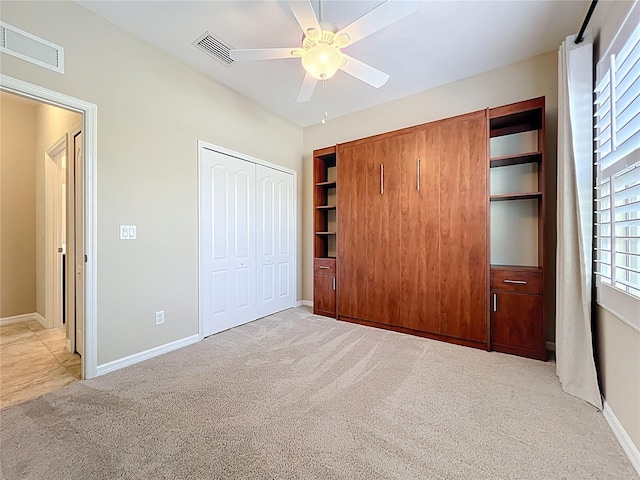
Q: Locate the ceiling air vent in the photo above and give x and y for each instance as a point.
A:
(213, 46)
(26, 46)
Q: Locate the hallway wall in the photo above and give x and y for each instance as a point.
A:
(17, 206)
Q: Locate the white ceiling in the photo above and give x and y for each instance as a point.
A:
(443, 42)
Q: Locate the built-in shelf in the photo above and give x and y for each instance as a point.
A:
(518, 267)
(327, 258)
(325, 233)
(531, 157)
(506, 121)
(326, 207)
(326, 184)
(516, 196)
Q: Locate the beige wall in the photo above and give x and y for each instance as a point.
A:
(52, 124)
(618, 344)
(17, 206)
(531, 78)
(619, 370)
(152, 110)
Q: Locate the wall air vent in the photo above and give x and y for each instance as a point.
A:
(213, 46)
(26, 46)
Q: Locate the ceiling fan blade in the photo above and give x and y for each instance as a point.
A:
(305, 15)
(364, 72)
(380, 17)
(250, 54)
(306, 89)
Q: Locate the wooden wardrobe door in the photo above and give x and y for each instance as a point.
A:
(353, 265)
(463, 227)
(383, 231)
(420, 292)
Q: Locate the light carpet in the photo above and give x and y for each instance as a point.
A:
(297, 396)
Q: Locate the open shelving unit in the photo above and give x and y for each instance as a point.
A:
(325, 231)
(517, 165)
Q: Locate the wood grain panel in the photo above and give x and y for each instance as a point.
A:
(383, 232)
(420, 292)
(463, 229)
(324, 296)
(352, 263)
(516, 324)
(517, 280)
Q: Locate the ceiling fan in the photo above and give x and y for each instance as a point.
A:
(322, 44)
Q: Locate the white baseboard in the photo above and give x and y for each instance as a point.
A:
(551, 346)
(625, 441)
(306, 303)
(146, 355)
(42, 321)
(25, 317)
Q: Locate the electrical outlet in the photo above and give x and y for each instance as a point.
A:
(160, 317)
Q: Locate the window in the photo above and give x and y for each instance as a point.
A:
(617, 129)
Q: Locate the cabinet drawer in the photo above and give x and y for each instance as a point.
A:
(324, 266)
(513, 280)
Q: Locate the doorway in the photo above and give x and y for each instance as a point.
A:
(80, 241)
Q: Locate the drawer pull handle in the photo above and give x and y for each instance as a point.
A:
(495, 302)
(517, 282)
(322, 266)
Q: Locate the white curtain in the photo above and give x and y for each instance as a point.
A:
(574, 348)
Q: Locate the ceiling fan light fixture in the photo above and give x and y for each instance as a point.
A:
(323, 61)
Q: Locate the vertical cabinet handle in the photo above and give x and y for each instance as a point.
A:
(334, 283)
(382, 179)
(418, 173)
(495, 302)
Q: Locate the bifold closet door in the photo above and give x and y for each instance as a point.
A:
(463, 227)
(228, 236)
(276, 239)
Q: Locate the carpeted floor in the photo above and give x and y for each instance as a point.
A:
(296, 396)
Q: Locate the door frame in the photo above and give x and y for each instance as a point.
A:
(71, 241)
(202, 146)
(52, 222)
(89, 112)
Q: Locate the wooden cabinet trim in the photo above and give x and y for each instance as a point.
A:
(415, 128)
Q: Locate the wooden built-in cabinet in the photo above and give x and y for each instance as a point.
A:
(404, 241)
(517, 133)
(324, 222)
(412, 248)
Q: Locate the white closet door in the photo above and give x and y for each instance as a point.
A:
(276, 240)
(228, 264)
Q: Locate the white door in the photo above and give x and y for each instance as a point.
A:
(78, 164)
(228, 263)
(55, 166)
(276, 237)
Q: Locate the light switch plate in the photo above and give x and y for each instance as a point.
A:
(127, 232)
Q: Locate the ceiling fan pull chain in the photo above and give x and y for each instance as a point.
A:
(324, 101)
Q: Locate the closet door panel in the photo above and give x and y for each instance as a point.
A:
(352, 233)
(463, 228)
(228, 237)
(275, 240)
(420, 292)
(383, 231)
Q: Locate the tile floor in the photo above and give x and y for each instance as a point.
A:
(34, 361)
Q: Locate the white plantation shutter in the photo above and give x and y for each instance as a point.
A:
(617, 130)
